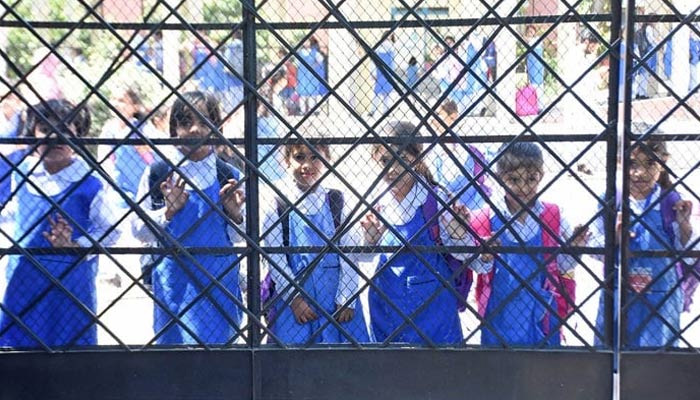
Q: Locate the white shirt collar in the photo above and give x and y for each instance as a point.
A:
(202, 173)
(401, 212)
(311, 204)
(53, 184)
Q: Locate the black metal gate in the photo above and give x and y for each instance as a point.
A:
(331, 199)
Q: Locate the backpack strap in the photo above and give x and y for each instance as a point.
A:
(668, 214)
(479, 162)
(158, 173)
(336, 202)
(225, 171)
(429, 209)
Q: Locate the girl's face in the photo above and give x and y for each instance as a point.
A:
(644, 173)
(394, 176)
(522, 183)
(304, 166)
(55, 157)
(191, 126)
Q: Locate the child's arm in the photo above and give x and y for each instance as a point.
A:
(580, 236)
(139, 228)
(453, 232)
(233, 202)
(683, 229)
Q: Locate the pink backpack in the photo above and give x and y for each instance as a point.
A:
(526, 101)
(481, 224)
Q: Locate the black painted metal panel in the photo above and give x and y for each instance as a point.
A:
(652, 376)
(154, 375)
(433, 374)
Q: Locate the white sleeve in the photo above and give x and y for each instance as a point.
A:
(104, 214)
(565, 262)
(348, 282)
(139, 228)
(444, 220)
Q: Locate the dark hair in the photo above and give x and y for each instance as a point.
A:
(412, 61)
(185, 109)
(321, 148)
(519, 155)
(450, 107)
(135, 99)
(58, 114)
(406, 130)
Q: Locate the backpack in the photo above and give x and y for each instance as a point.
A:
(463, 279)
(551, 217)
(268, 287)
(479, 162)
(688, 274)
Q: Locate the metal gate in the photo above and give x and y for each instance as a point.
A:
(332, 199)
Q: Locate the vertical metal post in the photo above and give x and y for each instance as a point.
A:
(251, 153)
(610, 305)
(624, 201)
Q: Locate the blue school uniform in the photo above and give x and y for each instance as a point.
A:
(535, 67)
(178, 282)
(515, 315)
(652, 317)
(307, 83)
(55, 317)
(322, 284)
(644, 327)
(382, 84)
(408, 283)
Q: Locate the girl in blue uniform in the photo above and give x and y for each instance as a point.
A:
(330, 284)
(307, 83)
(201, 308)
(515, 315)
(37, 310)
(406, 280)
(654, 299)
(382, 76)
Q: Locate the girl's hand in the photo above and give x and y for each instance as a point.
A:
(61, 233)
(175, 196)
(373, 227)
(683, 209)
(457, 227)
(344, 315)
(488, 257)
(580, 236)
(232, 199)
(302, 312)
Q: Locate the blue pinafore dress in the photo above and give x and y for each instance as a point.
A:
(321, 284)
(408, 283)
(57, 317)
(645, 328)
(515, 315)
(185, 289)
